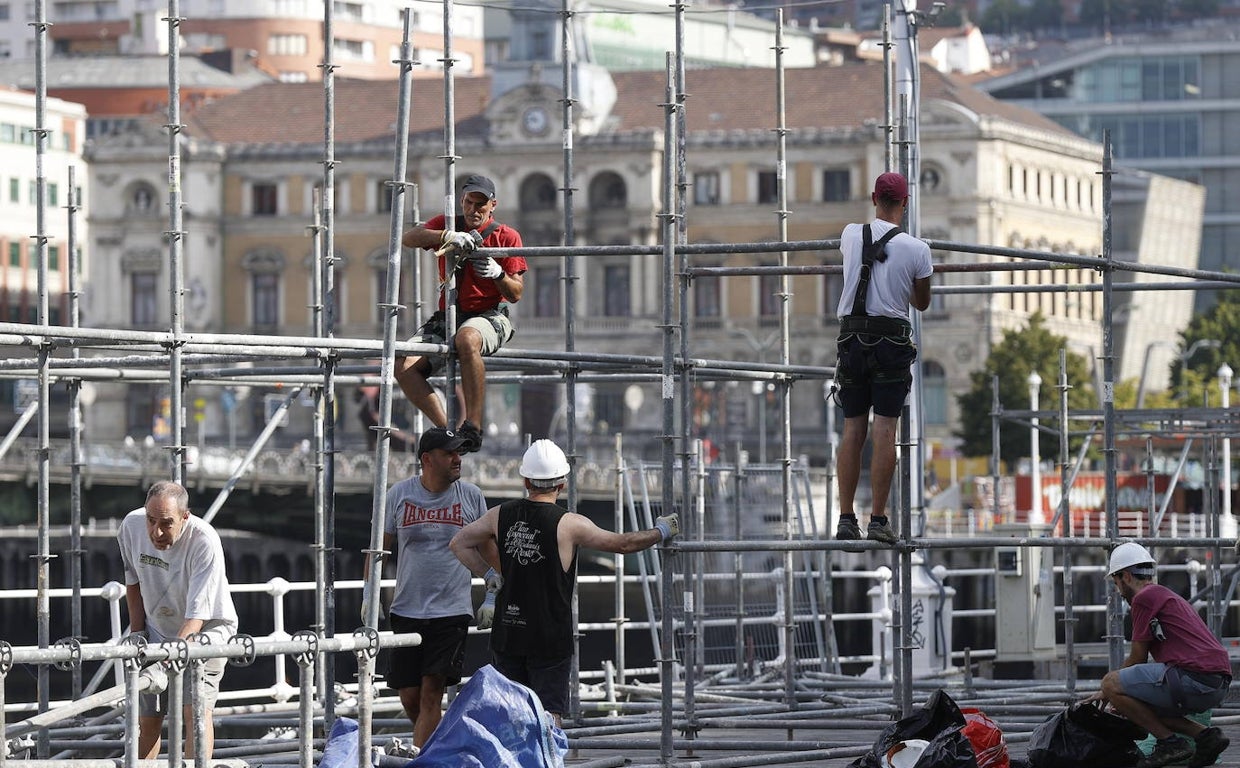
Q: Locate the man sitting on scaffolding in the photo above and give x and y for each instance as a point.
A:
(483, 287)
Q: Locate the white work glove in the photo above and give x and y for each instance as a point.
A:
(486, 611)
(494, 580)
(464, 242)
(156, 675)
(488, 268)
(367, 600)
(668, 525)
(142, 633)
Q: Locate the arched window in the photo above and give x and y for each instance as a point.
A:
(265, 267)
(608, 190)
(537, 193)
(141, 199)
(934, 392)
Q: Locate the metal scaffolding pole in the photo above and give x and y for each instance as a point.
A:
(448, 290)
(391, 308)
(44, 557)
(326, 266)
(785, 393)
(1115, 618)
(73, 261)
(667, 491)
(571, 378)
(175, 236)
(690, 608)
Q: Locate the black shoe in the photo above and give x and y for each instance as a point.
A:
(1210, 744)
(881, 531)
(848, 530)
(1176, 749)
(471, 435)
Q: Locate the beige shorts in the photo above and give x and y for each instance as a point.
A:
(494, 326)
(156, 704)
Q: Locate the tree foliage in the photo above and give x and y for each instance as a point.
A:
(1012, 359)
(1218, 331)
(1004, 17)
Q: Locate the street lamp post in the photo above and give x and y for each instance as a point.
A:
(1035, 459)
(1225, 374)
(759, 387)
(1145, 369)
(1188, 355)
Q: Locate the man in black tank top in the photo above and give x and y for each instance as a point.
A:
(533, 543)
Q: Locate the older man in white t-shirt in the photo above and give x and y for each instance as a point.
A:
(175, 586)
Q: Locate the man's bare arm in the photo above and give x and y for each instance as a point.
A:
(136, 606)
(921, 293)
(475, 546)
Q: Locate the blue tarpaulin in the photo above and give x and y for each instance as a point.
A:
(494, 723)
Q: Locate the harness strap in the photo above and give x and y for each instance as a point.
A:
(870, 252)
(490, 229)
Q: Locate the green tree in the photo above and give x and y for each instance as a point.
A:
(1104, 14)
(1003, 17)
(1012, 360)
(1218, 331)
(1152, 11)
(953, 16)
(1045, 14)
(1198, 9)
(1126, 396)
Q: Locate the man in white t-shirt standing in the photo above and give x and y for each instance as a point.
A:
(175, 586)
(885, 271)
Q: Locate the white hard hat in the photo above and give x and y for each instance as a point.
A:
(543, 460)
(1127, 555)
(905, 754)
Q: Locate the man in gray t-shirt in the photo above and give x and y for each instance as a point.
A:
(432, 587)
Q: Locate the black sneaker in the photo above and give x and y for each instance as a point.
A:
(848, 529)
(1167, 751)
(471, 435)
(881, 531)
(1210, 744)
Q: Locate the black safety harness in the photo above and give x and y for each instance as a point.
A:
(869, 330)
(857, 321)
(436, 324)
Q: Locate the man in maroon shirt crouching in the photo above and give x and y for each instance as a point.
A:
(1191, 671)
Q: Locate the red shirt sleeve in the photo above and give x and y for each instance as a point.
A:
(474, 294)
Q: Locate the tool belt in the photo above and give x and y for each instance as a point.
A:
(894, 328)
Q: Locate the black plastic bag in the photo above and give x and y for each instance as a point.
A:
(1084, 734)
(939, 722)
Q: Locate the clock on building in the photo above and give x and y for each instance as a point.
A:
(534, 121)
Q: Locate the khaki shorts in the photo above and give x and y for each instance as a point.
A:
(156, 704)
(494, 326)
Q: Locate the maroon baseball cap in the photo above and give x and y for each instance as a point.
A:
(891, 186)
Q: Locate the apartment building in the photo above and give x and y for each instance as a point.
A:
(992, 174)
(284, 37)
(19, 297)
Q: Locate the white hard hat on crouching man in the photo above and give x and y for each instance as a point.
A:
(527, 551)
(1190, 673)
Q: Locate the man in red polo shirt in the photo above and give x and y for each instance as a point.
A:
(483, 288)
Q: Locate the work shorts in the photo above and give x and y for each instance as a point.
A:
(873, 372)
(441, 653)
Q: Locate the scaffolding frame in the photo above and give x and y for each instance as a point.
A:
(190, 356)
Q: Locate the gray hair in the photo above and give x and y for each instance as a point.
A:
(175, 492)
(547, 483)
